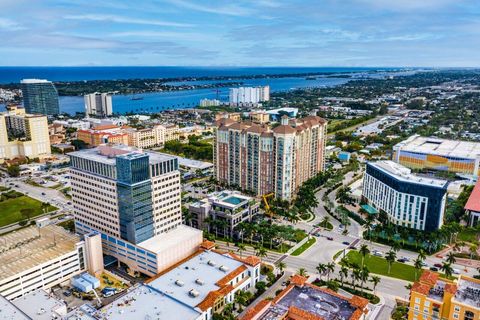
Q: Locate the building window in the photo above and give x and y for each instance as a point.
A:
(469, 315)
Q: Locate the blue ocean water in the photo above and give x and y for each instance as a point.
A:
(158, 101)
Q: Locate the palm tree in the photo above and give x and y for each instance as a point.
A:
(451, 258)
(390, 257)
(417, 264)
(343, 274)
(447, 268)
(281, 266)
(321, 268)
(302, 272)
(355, 275)
(421, 255)
(473, 250)
(325, 221)
(241, 247)
(364, 251)
(364, 274)
(375, 281)
(330, 267)
(262, 252)
(333, 285)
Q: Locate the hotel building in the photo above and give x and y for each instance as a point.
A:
(23, 135)
(304, 301)
(40, 258)
(264, 160)
(40, 96)
(433, 297)
(133, 199)
(98, 104)
(409, 200)
(439, 154)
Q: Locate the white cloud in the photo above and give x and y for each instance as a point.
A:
(10, 25)
(121, 19)
(230, 9)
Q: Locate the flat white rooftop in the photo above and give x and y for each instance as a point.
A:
(441, 147)
(39, 305)
(27, 248)
(29, 81)
(189, 163)
(405, 174)
(167, 240)
(145, 302)
(196, 274)
(8, 311)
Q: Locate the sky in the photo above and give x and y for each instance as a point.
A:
(430, 33)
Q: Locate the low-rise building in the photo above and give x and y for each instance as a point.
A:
(260, 116)
(103, 134)
(304, 301)
(433, 297)
(225, 209)
(235, 116)
(472, 207)
(40, 258)
(409, 200)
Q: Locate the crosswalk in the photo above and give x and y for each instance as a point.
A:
(272, 257)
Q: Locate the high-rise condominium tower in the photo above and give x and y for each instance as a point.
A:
(264, 160)
(40, 96)
(98, 104)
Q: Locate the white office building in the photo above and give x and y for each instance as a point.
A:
(409, 200)
(249, 95)
(98, 104)
(132, 197)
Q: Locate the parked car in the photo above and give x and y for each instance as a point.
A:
(456, 271)
(438, 265)
(67, 293)
(402, 260)
(377, 253)
(329, 238)
(346, 243)
(434, 269)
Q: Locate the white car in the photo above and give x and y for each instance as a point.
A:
(456, 271)
(377, 253)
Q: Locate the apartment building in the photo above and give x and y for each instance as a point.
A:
(226, 209)
(103, 134)
(40, 258)
(249, 95)
(132, 197)
(23, 135)
(409, 200)
(265, 160)
(433, 297)
(98, 104)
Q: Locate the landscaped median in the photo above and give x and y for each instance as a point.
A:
(379, 266)
(304, 247)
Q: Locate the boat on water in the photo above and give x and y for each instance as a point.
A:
(311, 78)
(136, 98)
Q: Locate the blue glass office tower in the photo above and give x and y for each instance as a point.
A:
(134, 197)
(40, 96)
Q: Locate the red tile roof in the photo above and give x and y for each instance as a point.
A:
(429, 277)
(421, 288)
(473, 203)
(451, 288)
(256, 310)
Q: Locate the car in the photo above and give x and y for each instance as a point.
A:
(438, 265)
(43, 193)
(406, 258)
(434, 269)
(424, 264)
(352, 247)
(377, 253)
(329, 238)
(456, 271)
(67, 293)
(11, 183)
(346, 243)
(402, 260)
(69, 203)
(16, 186)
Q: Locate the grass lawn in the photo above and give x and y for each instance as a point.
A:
(468, 235)
(304, 247)
(380, 266)
(10, 209)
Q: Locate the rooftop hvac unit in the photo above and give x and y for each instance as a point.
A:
(193, 293)
(211, 263)
(179, 283)
(223, 268)
(200, 282)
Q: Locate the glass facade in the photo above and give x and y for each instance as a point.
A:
(40, 97)
(134, 191)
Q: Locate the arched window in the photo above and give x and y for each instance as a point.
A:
(469, 315)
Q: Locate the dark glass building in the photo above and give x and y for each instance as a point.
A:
(40, 96)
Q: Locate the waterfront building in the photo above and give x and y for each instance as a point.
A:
(472, 207)
(40, 96)
(42, 257)
(277, 114)
(225, 209)
(409, 200)
(23, 135)
(71, 123)
(249, 95)
(146, 138)
(456, 156)
(433, 297)
(265, 160)
(132, 197)
(98, 104)
(209, 102)
(304, 301)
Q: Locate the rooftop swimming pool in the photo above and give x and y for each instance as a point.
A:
(233, 200)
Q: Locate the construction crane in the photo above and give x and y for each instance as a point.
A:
(268, 212)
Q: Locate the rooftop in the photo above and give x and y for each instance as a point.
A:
(29, 81)
(226, 198)
(405, 174)
(190, 163)
(166, 240)
(107, 153)
(192, 281)
(145, 302)
(39, 305)
(441, 147)
(473, 203)
(8, 311)
(26, 248)
(468, 291)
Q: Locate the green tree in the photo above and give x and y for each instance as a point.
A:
(343, 274)
(364, 251)
(417, 264)
(281, 266)
(321, 269)
(13, 170)
(447, 269)
(302, 272)
(27, 213)
(241, 248)
(375, 281)
(451, 258)
(390, 257)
